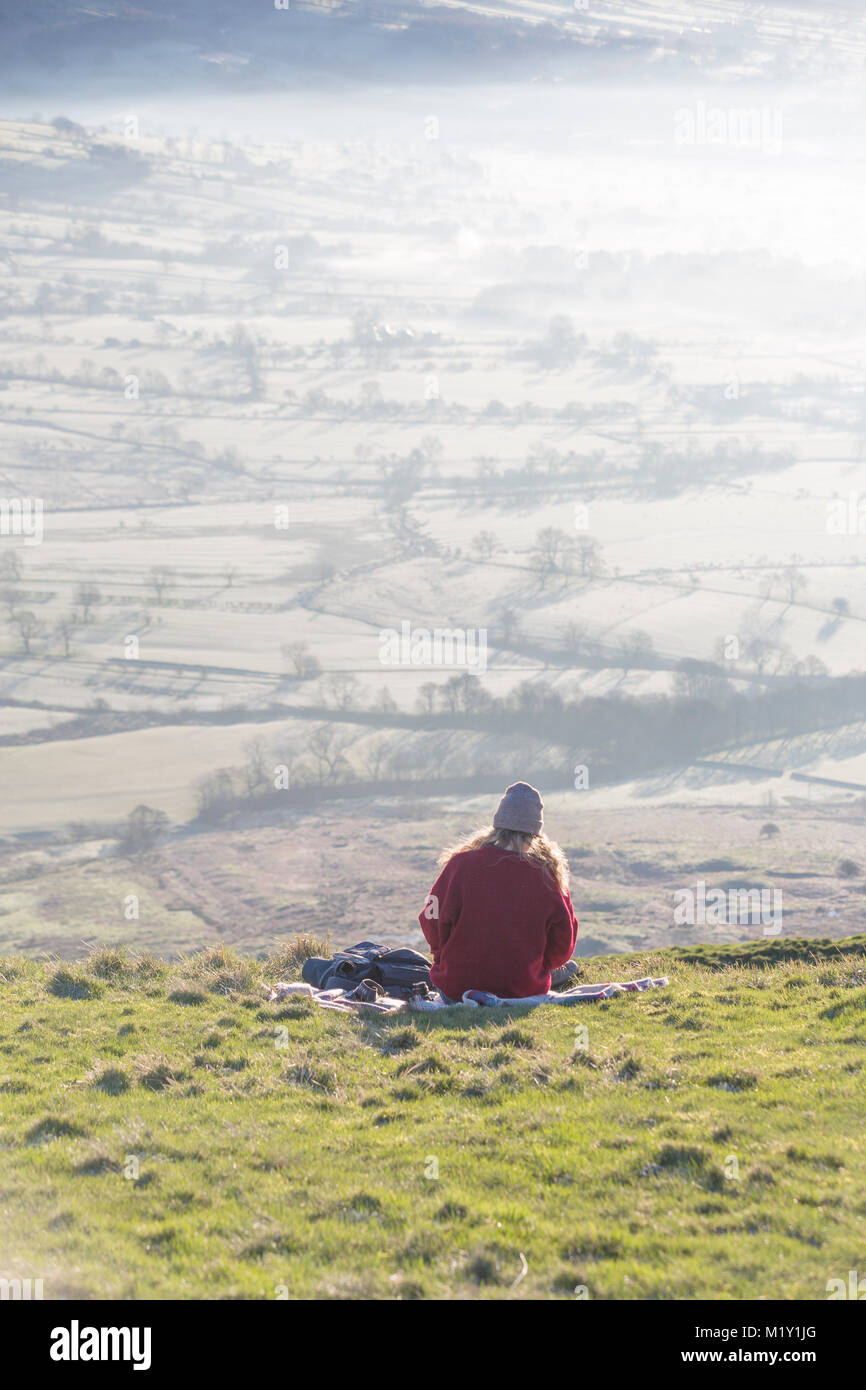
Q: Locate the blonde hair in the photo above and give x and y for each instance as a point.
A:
(536, 849)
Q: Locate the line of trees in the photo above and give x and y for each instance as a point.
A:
(620, 737)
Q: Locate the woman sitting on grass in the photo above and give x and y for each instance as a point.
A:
(499, 916)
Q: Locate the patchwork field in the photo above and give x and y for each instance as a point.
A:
(282, 374)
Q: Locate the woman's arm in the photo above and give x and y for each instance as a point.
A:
(437, 914)
(561, 934)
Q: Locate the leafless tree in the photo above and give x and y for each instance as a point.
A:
(589, 558)
(485, 544)
(143, 829)
(214, 793)
(572, 638)
(636, 645)
(552, 551)
(510, 619)
(692, 682)
(464, 693)
(328, 747)
(301, 660)
(794, 580)
(87, 596)
(255, 770)
(65, 629)
(384, 702)
(377, 754)
(10, 567)
(342, 689)
(161, 578)
(426, 698)
(28, 626)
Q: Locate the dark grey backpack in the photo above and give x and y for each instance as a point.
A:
(399, 970)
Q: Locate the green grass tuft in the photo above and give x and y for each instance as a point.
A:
(74, 982)
(286, 961)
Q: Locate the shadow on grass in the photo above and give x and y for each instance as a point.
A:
(456, 1019)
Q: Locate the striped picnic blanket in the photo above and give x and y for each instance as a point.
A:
(580, 994)
(347, 1001)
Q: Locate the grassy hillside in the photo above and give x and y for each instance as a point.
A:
(167, 1134)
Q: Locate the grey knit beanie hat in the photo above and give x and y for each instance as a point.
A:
(521, 808)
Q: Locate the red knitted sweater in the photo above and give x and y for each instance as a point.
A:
(496, 922)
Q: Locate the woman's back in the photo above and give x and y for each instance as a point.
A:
(497, 920)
